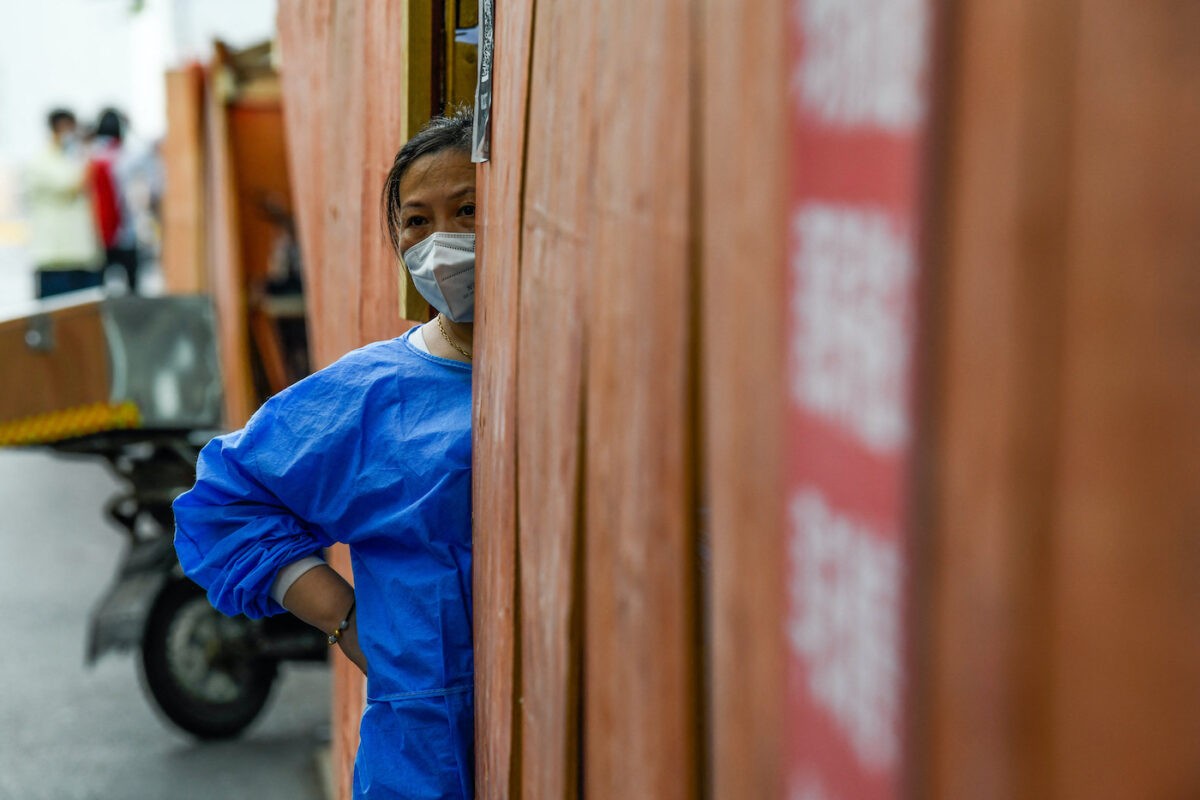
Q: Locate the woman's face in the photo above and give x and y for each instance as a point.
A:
(437, 195)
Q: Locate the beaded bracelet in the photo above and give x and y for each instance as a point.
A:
(336, 635)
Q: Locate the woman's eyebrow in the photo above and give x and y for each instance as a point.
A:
(456, 194)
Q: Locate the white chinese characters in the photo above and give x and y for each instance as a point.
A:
(863, 61)
(844, 623)
(851, 308)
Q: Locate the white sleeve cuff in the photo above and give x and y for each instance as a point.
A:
(290, 574)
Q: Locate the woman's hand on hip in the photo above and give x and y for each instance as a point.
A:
(322, 598)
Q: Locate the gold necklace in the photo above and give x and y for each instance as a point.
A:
(450, 341)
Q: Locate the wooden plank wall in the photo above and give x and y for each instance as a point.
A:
(641, 621)
(630, 389)
(1064, 644)
(304, 70)
(391, 112)
(743, 199)
(500, 234)
(225, 266)
(183, 254)
(553, 307)
(348, 106)
(590, 266)
(1128, 661)
(604, 421)
(598, 241)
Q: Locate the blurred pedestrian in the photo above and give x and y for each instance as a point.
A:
(108, 170)
(63, 236)
(144, 190)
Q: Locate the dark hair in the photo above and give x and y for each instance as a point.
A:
(59, 115)
(450, 132)
(109, 124)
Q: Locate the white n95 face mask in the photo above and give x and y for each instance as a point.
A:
(442, 266)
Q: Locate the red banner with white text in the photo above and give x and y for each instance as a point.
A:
(858, 104)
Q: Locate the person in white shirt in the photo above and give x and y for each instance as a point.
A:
(64, 243)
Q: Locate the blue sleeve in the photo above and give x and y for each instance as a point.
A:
(256, 504)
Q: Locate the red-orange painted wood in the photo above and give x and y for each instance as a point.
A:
(182, 256)
(226, 269)
(339, 329)
(554, 309)
(304, 45)
(1064, 644)
(260, 169)
(382, 132)
(1125, 669)
(501, 180)
(641, 675)
(741, 219)
(1057, 603)
(996, 402)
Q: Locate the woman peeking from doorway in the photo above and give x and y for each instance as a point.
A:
(373, 451)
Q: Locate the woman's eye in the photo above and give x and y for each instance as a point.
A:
(467, 210)
(415, 219)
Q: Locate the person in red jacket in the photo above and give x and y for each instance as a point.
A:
(114, 222)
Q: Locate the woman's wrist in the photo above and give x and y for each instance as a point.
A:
(335, 636)
(321, 597)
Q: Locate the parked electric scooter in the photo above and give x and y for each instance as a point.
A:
(209, 674)
(136, 381)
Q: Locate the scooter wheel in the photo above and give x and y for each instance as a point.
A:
(200, 667)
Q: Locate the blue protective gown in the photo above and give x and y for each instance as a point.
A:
(374, 451)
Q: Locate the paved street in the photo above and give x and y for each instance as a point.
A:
(68, 732)
(72, 733)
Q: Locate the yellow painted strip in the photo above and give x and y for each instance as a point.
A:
(69, 423)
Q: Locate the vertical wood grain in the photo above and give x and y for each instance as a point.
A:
(640, 674)
(1065, 640)
(340, 283)
(260, 164)
(555, 266)
(461, 58)
(996, 400)
(338, 330)
(226, 271)
(501, 187)
(742, 217)
(1125, 665)
(182, 256)
(304, 43)
(387, 297)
